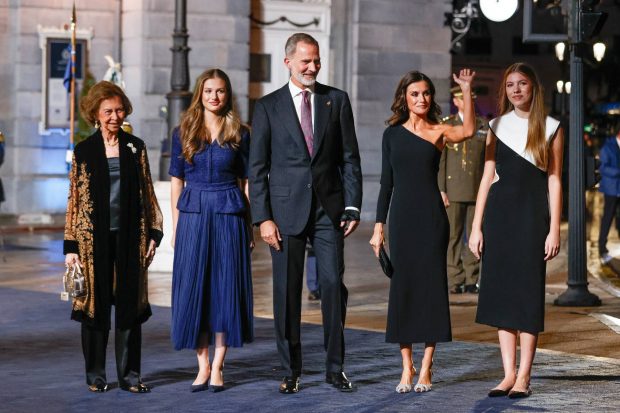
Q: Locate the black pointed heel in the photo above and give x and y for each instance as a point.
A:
(194, 388)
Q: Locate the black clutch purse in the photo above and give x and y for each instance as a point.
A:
(384, 260)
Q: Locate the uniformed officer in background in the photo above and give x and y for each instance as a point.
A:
(460, 171)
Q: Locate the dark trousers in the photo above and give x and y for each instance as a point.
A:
(288, 268)
(463, 268)
(312, 279)
(609, 212)
(127, 343)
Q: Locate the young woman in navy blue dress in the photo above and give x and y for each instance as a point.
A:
(211, 279)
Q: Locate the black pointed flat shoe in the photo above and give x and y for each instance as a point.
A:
(289, 385)
(515, 394)
(137, 388)
(498, 393)
(339, 381)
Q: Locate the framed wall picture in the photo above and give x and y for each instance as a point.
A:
(55, 100)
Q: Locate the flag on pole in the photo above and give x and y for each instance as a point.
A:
(66, 80)
(70, 80)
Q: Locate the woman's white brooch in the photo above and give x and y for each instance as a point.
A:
(133, 148)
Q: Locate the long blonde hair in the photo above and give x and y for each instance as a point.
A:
(536, 129)
(194, 132)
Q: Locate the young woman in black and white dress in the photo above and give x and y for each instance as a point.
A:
(516, 227)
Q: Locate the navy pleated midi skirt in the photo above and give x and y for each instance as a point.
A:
(211, 280)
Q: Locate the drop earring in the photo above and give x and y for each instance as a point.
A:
(97, 125)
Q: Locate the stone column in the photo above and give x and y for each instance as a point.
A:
(387, 39)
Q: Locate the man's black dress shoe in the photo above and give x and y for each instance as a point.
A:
(513, 394)
(314, 295)
(498, 393)
(98, 387)
(289, 385)
(137, 388)
(339, 381)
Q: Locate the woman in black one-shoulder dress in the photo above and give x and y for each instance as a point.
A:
(418, 309)
(518, 216)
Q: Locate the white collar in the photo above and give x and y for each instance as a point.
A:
(296, 90)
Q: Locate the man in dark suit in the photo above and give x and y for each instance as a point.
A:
(306, 185)
(460, 171)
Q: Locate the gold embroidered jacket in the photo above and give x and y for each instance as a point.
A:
(87, 231)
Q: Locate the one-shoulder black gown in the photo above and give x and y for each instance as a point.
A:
(418, 309)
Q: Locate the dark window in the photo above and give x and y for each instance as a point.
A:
(478, 45)
(518, 47)
(260, 67)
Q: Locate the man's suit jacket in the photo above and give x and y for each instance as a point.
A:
(282, 174)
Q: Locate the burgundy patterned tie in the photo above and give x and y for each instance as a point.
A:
(306, 120)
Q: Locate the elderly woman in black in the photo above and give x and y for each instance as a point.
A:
(113, 226)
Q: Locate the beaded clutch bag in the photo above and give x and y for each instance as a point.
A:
(73, 283)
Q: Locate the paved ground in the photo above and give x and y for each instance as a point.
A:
(582, 343)
(42, 366)
(33, 261)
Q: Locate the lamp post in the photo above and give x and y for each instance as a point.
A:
(583, 23)
(577, 293)
(179, 97)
